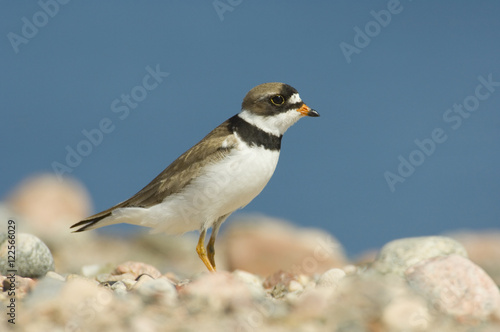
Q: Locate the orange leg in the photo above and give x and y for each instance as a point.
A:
(211, 244)
(202, 252)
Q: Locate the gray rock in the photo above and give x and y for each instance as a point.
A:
(398, 255)
(32, 257)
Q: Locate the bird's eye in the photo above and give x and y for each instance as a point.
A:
(277, 100)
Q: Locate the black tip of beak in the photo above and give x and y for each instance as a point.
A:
(313, 113)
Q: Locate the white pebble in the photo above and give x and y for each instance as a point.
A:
(331, 278)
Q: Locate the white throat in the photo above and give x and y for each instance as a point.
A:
(276, 124)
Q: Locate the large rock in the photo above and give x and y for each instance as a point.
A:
(483, 248)
(398, 255)
(48, 205)
(455, 286)
(32, 257)
(264, 245)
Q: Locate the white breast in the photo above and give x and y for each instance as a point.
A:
(225, 187)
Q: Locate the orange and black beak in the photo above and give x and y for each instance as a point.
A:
(307, 111)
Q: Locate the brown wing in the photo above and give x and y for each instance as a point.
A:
(176, 176)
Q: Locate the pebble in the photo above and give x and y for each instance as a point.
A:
(141, 280)
(22, 286)
(264, 245)
(253, 282)
(331, 278)
(280, 277)
(159, 290)
(129, 283)
(136, 269)
(79, 277)
(217, 292)
(54, 275)
(398, 255)
(455, 286)
(91, 270)
(295, 286)
(33, 258)
(407, 314)
(312, 304)
(445, 293)
(119, 288)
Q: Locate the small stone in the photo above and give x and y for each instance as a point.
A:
(295, 286)
(56, 276)
(159, 290)
(312, 304)
(279, 291)
(280, 277)
(119, 288)
(79, 277)
(21, 286)
(407, 314)
(79, 297)
(172, 277)
(396, 256)
(91, 270)
(141, 280)
(217, 292)
(455, 286)
(129, 283)
(33, 259)
(254, 282)
(306, 281)
(136, 269)
(331, 278)
(350, 269)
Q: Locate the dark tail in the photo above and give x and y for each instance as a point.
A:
(88, 223)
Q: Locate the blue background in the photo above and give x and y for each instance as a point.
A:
(331, 172)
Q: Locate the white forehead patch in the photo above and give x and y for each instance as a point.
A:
(294, 99)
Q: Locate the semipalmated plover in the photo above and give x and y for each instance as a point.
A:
(222, 173)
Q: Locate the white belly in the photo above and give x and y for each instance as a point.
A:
(225, 187)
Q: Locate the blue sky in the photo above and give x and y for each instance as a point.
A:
(408, 92)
